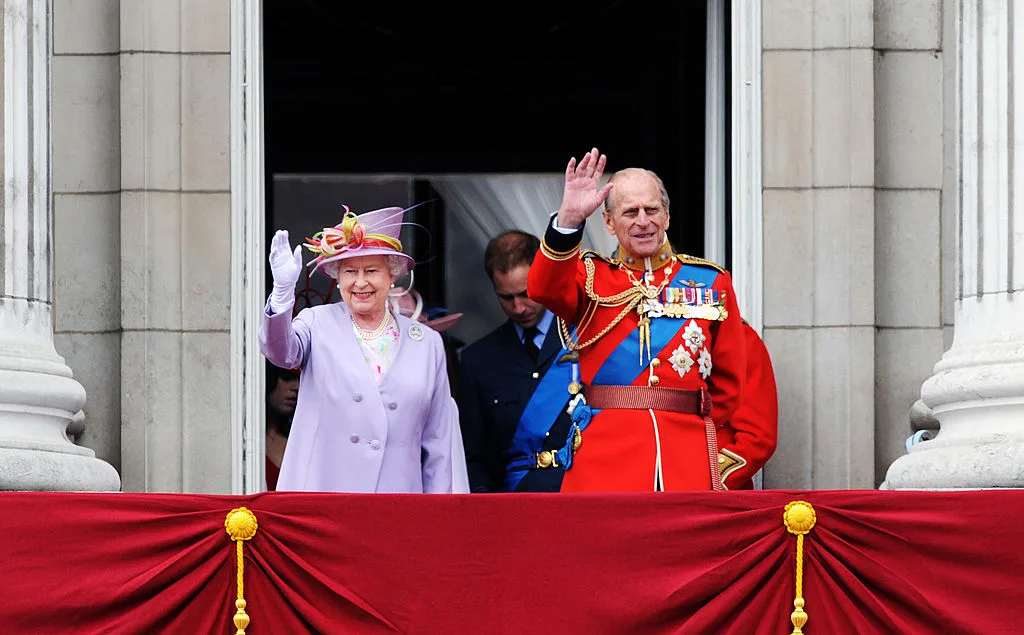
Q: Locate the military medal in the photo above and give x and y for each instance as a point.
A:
(574, 384)
(694, 303)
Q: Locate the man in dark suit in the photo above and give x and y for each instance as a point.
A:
(500, 372)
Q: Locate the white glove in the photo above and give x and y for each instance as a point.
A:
(285, 266)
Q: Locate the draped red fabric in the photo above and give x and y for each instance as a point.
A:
(702, 562)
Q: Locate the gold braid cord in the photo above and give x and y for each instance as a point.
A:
(628, 299)
(799, 519)
(241, 526)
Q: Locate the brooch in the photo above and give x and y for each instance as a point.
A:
(415, 332)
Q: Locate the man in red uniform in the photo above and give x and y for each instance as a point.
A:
(657, 335)
(748, 439)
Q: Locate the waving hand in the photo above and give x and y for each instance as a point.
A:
(582, 195)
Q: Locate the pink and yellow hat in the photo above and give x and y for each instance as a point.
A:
(368, 234)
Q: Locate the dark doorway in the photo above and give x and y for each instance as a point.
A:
(416, 89)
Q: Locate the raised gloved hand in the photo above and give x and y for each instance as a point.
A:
(285, 266)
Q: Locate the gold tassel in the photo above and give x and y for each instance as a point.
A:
(241, 526)
(645, 337)
(647, 340)
(799, 519)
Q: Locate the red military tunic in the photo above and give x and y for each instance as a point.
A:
(632, 449)
(748, 438)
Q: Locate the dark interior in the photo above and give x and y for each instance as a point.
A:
(364, 88)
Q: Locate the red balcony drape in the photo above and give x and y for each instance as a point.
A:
(715, 562)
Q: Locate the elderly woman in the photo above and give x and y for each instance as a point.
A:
(374, 411)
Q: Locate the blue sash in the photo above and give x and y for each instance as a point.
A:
(546, 403)
(623, 365)
(621, 368)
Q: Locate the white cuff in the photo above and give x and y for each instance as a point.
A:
(562, 230)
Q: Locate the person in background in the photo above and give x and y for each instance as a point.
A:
(748, 439)
(509, 444)
(374, 411)
(410, 304)
(282, 392)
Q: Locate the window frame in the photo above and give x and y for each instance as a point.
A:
(733, 213)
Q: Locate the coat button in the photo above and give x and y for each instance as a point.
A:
(354, 438)
(357, 397)
(392, 405)
(375, 444)
(536, 375)
(654, 380)
(655, 362)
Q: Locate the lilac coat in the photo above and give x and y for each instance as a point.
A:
(351, 435)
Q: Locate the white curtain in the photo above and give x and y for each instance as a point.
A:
(487, 205)
(479, 207)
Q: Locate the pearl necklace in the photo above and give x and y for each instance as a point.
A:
(366, 335)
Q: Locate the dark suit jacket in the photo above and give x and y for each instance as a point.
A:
(496, 379)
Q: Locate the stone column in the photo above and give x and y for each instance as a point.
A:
(38, 396)
(977, 390)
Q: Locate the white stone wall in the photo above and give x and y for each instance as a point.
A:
(914, 221)
(86, 208)
(819, 239)
(858, 236)
(143, 139)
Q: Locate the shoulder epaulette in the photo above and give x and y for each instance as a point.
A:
(590, 253)
(700, 262)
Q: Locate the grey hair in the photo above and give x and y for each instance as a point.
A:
(637, 171)
(397, 265)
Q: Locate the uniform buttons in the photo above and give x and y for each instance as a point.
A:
(375, 444)
(655, 362)
(392, 405)
(354, 438)
(547, 434)
(654, 380)
(536, 375)
(357, 397)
